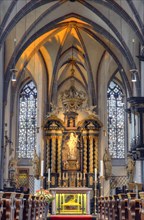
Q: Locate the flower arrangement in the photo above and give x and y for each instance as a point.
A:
(45, 194)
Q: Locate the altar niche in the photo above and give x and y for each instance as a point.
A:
(71, 153)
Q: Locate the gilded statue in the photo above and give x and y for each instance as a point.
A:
(107, 164)
(13, 169)
(130, 168)
(36, 165)
(72, 145)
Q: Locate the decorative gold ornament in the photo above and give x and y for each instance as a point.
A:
(72, 99)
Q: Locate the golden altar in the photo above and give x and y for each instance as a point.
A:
(71, 200)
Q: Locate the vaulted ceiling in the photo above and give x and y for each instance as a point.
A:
(89, 36)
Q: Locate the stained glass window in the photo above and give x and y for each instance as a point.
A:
(27, 120)
(116, 126)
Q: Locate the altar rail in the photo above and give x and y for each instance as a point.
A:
(121, 207)
(14, 206)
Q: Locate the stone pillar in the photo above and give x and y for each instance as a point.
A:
(85, 154)
(53, 158)
(1, 113)
(90, 154)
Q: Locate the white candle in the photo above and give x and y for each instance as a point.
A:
(95, 173)
(101, 167)
(77, 176)
(42, 167)
(48, 174)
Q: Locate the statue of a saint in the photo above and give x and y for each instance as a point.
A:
(36, 165)
(72, 145)
(107, 164)
(130, 168)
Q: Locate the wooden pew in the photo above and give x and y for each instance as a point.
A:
(122, 206)
(110, 207)
(33, 208)
(115, 210)
(19, 206)
(105, 207)
(8, 206)
(1, 204)
(142, 205)
(133, 207)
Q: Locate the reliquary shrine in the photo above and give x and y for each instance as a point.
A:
(71, 152)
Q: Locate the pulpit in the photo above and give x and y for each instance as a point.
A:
(71, 201)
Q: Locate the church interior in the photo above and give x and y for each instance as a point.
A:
(72, 109)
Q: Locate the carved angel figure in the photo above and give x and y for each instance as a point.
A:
(90, 110)
(107, 164)
(36, 165)
(130, 168)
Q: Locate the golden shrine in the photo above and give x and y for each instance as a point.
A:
(71, 153)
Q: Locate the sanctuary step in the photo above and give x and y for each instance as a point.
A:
(71, 217)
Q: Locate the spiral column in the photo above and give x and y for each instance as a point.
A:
(53, 158)
(96, 152)
(85, 154)
(90, 154)
(48, 153)
(59, 155)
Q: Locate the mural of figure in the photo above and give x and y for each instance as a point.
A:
(72, 145)
(130, 168)
(107, 164)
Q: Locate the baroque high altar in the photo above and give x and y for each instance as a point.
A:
(71, 132)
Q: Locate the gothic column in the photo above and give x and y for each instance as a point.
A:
(53, 158)
(1, 114)
(137, 149)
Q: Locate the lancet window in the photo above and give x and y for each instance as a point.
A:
(27, 120)
(116, 116)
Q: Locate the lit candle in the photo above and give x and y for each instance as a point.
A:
(42, 167)
(77, 176)
(101, 167)
(48, 174)
(95, 174)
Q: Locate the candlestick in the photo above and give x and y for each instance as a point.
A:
(95, 174)
(42, 167)
(101, 167)
(48, 174)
